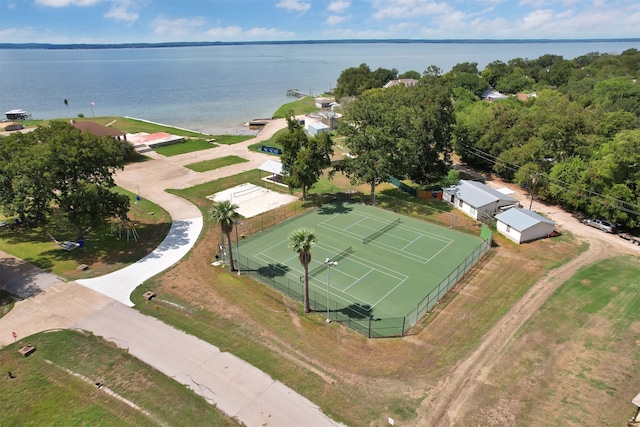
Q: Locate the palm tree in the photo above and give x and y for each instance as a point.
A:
(301, 241)
(224, 213)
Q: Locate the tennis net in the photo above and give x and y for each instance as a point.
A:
(380, 232)
(322, 267)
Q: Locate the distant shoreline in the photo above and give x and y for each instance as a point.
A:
(51, 46)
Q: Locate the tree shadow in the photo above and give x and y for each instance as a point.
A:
(273, 270)
(335, 207)
(355, 311)
(24, 279)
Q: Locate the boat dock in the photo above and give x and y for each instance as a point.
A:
(297, 93)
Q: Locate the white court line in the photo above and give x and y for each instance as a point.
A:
(399, 251)
(401, 278)
(361, 278)
(411, 242)
(355, 223)
(410, 228)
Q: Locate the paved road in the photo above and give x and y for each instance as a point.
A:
(237, 388)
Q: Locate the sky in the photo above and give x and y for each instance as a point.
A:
(151, 21)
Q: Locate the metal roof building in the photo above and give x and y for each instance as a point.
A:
(523, 225)
(476, 199)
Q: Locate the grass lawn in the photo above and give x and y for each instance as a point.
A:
(134, 126)
(105, 248)
(188, 146)
(271, 142)
(212, 164)
(231, 139)
(55, 386)
(304, 105)
(579, 349)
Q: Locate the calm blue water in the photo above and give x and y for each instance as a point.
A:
(216, 89)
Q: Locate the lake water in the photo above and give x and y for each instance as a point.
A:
(216, 89)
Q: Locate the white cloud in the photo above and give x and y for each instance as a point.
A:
(534, 3)
(222, 33)
(294, 5)
(402, 9)
(180, 28)
(356, 34)
(268, 33)
(120, 10)
(65, 3)
(335, 19)
(338, 6)
(10, 35)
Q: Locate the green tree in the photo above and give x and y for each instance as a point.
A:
(224, 213)
(426, 137)
(301, 241)
(411, 74)
(495, 71)
(513, 83)
(371, 125)
(303, 158)
(57, 165)
(565, 181)
(355, 80)
(465, 67)
(472, 82)
(452, 178)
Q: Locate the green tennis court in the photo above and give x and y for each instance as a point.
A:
(386, 264)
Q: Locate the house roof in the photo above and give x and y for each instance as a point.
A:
(406, 82)
(477, 194)
(96, 129)
(271, 166)
(152, 138)
(317, 126)
(522, 219)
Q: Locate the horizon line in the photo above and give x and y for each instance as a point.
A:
(37, 45)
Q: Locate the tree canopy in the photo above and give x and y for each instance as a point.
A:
(57, 166)
(579, 134)
(303, 157)
(400, 131)
(355, 80)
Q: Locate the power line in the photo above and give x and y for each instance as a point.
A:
(621, 204)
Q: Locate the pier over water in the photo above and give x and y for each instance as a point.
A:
(296, 92)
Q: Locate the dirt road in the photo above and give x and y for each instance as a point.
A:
(453, 394)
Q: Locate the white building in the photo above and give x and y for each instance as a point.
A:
(317, 128)
(523, 225)
(476, 199)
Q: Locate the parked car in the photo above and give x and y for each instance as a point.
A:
(15, 126)
(601, 224)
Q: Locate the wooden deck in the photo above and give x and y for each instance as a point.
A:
(296, 92)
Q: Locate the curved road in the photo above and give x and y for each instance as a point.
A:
(102, 306)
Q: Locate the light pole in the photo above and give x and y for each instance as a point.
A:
(329, 264)
(238, 247)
